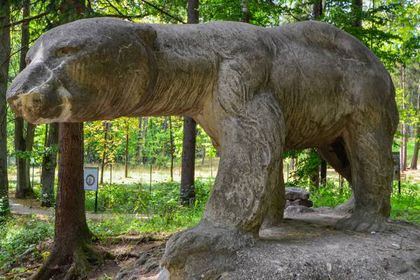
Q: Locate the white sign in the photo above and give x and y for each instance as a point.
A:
(90, 176)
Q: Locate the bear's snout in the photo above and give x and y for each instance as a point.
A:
(36, 95)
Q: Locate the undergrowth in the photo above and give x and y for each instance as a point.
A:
(20, 237)
(406, 206)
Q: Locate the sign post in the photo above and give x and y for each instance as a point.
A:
(90, 178)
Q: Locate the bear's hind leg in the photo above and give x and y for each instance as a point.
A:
(335, 154)
(370, 153)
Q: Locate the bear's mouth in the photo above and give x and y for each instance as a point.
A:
(39, 108)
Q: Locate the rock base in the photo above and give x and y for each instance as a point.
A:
(306, 246)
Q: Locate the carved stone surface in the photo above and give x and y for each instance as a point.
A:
(305, 248)
(257, 92)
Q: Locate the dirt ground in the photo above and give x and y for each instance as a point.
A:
(127, 252)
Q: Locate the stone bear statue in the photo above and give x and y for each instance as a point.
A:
(257, 92)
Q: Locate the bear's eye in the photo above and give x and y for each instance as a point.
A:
(65, 51)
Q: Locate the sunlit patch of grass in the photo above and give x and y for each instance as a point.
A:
(406, 206)
(156, 211)
(330, 195)
(121, 224)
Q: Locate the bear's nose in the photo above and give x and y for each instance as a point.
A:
(12, 99)
(15, 103)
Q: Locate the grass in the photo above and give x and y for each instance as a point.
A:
(330, 195)
(157, 210)
(406, 206)
(20, 237)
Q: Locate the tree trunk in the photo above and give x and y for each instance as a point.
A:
(70, 221)
(413, 164)
(314, 177)
(49, 163)
(68, 255)
(403, 146)
(139, 140)
(187, 192)
(317, 9)
(204, 156)
(314, 173)
(104, 152)
(246, 15)
(22, 181)
(126, 149)
(172, 148)
(193, 15)
(356, 11)
(29, 144)
(323, 172)
(144, 133)
(4, 70)
(23, 143)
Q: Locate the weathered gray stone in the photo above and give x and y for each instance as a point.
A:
(297, 209)
(293, 193)
(257, 92)
(308, 250)
(301, 202)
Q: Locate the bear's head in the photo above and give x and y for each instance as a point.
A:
(90, 69)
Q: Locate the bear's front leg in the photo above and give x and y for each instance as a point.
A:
(246, 193)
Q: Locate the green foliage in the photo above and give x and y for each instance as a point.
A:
(307, 163)
(4, 209)
(19, 238)
(331, 195)
(98, 145)
(156, 211)
(406, 206)
(162, 198)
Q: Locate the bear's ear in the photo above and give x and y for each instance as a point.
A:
(147, 33)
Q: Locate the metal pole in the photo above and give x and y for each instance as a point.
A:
(96, 201)
(399, 186)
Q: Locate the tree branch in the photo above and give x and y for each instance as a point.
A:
(24, 20)
(123, 16)
(163, 11)
(115, 8)
(18, 51)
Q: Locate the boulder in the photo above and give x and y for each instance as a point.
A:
(293, 193)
